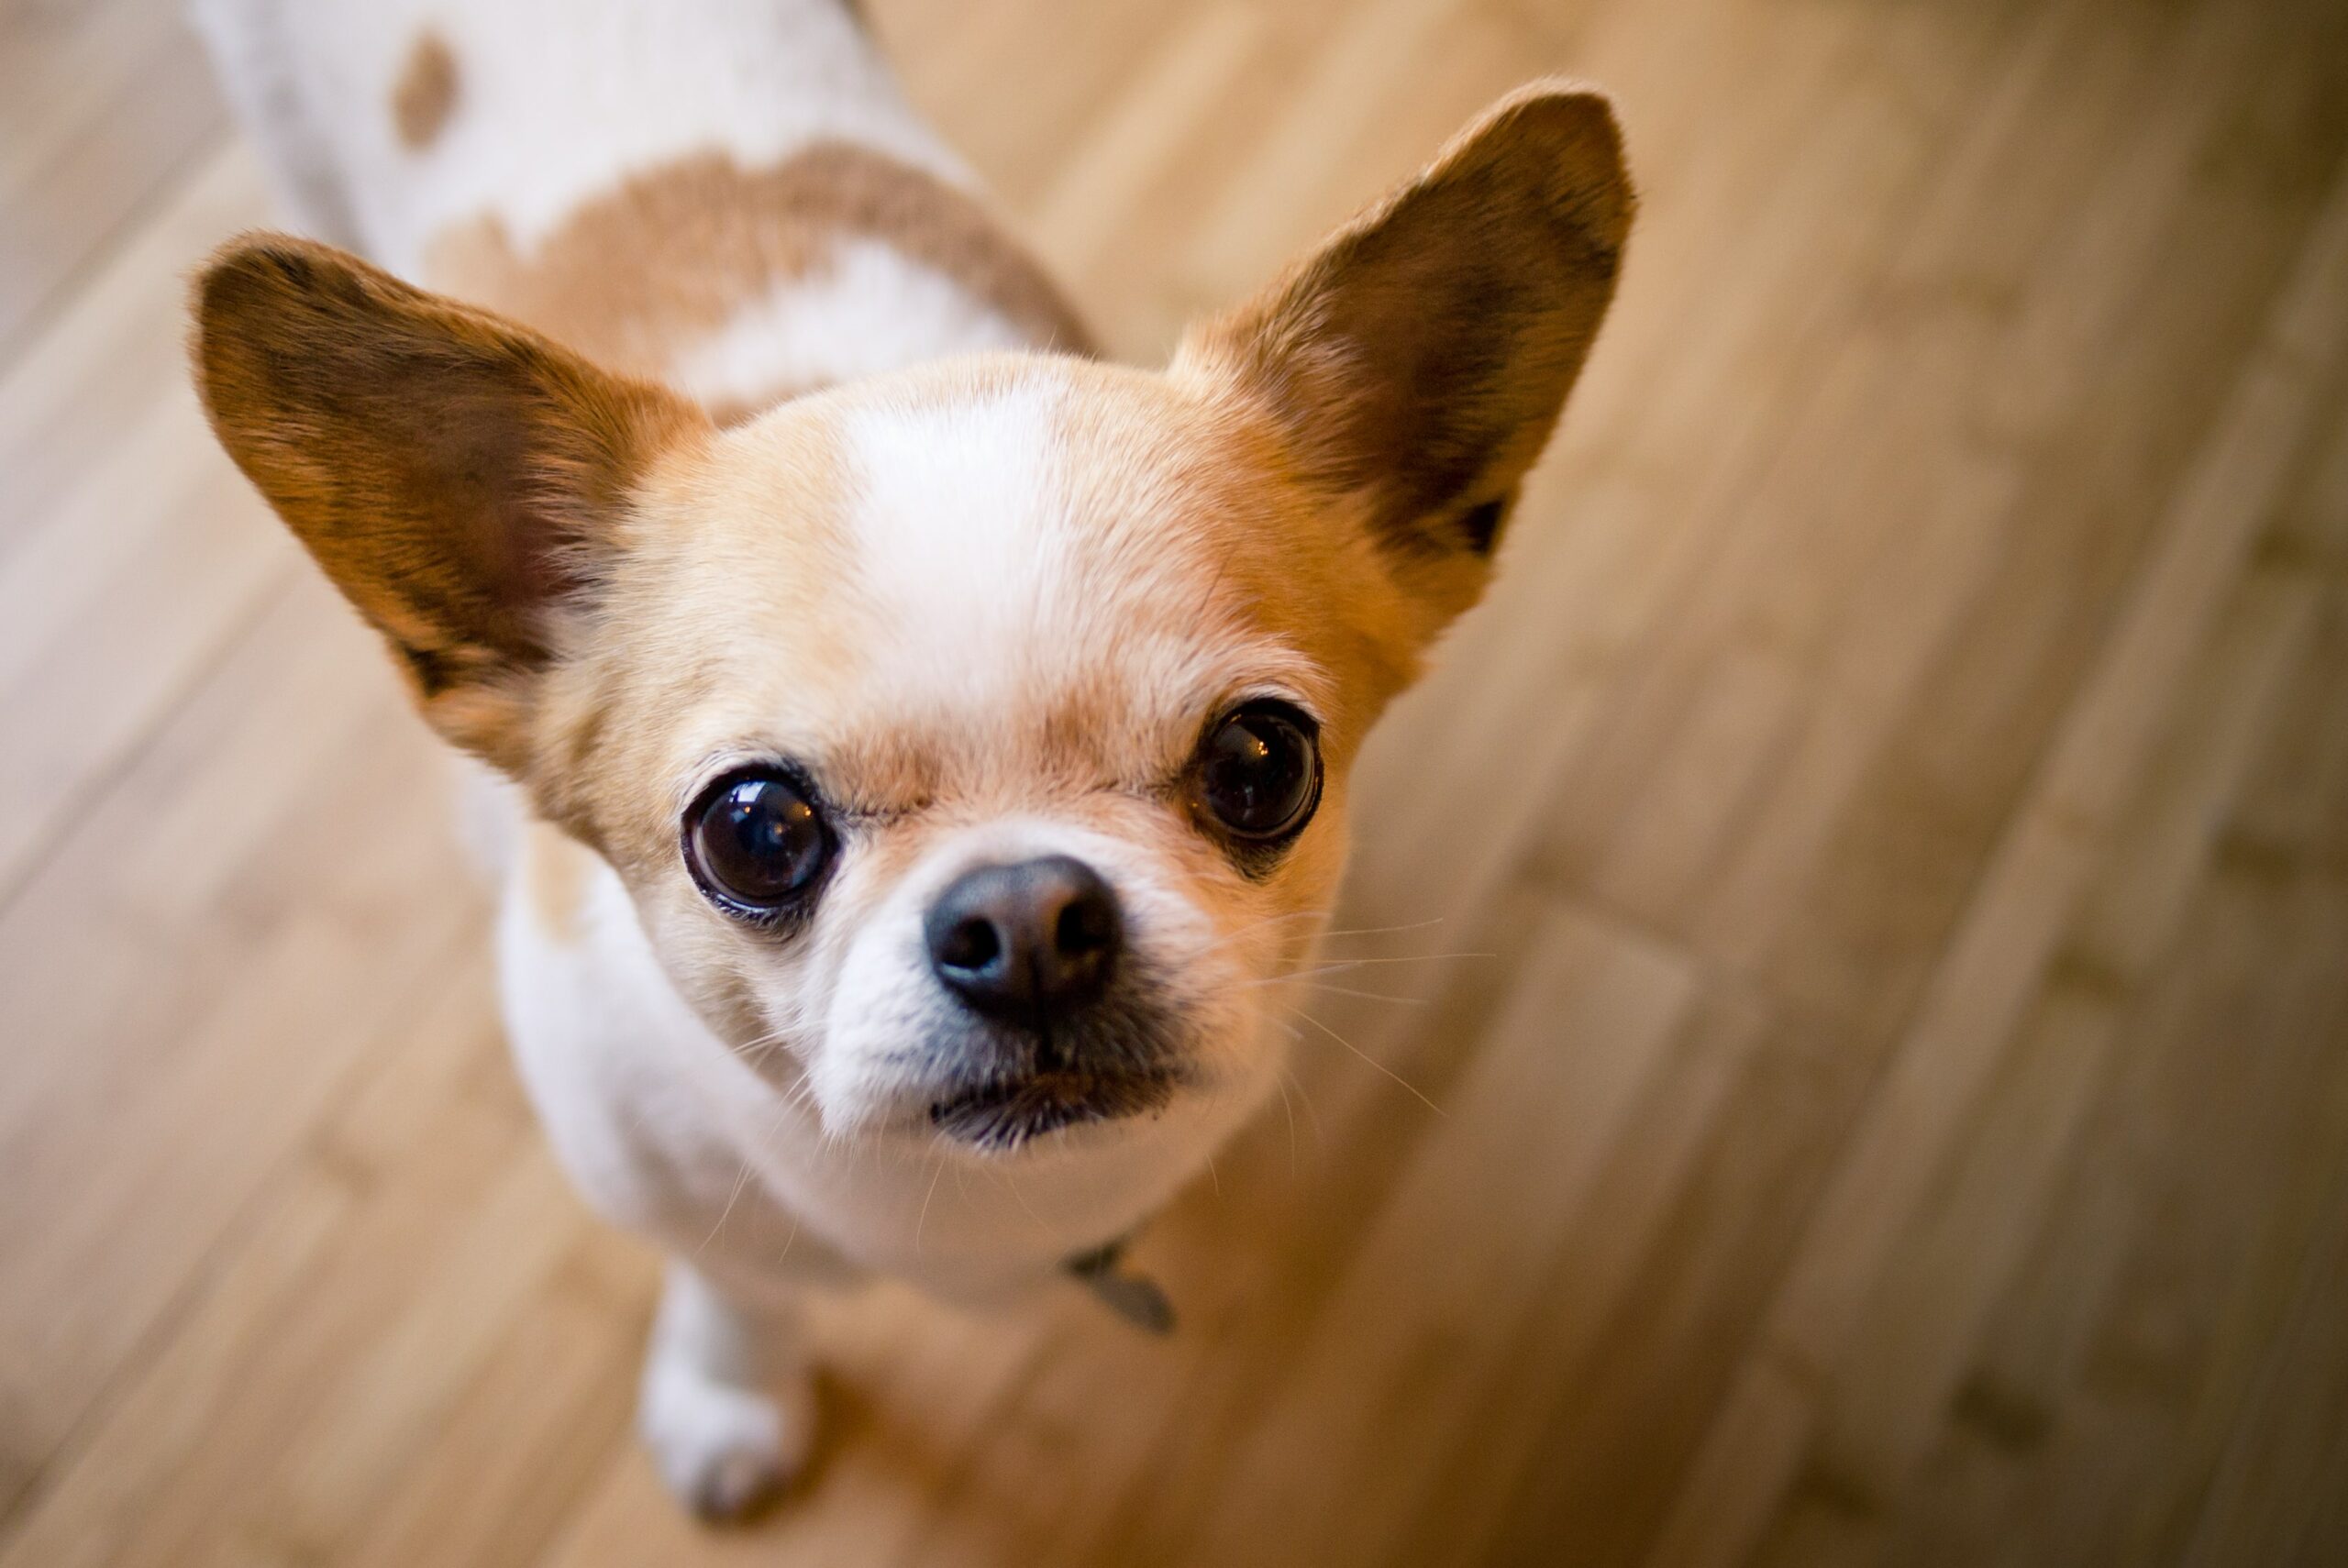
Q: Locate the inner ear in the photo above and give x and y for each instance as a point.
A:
(1418, 360)
(459, 478)
(1480, 525)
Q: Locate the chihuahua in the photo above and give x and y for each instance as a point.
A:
(928, 742)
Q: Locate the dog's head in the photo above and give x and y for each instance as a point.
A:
(979, 734)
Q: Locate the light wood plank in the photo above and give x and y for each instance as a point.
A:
(2031, 888)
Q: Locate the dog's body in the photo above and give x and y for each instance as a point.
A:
(993, 599)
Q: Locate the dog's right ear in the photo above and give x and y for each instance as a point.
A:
(1416, 362)
(459, 478)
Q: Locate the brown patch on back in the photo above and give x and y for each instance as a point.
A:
(670, 257)
(426, 93)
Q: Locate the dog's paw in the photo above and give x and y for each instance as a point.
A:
(724, 1451)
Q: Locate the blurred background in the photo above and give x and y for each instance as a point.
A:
(1873, 975)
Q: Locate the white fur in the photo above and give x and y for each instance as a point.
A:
(871, 309)
(988, 586)
(961, 540)
(726, 1405)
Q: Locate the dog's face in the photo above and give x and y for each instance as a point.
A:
(973, 741)
(993, 752)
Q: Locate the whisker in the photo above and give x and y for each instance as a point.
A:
(1227, 938)
(758, 1048)
(741, 1184)
(923, 1219)
(1380, 929)
(1337, 964)
(1381, 1066)
(1340, 966)
(1021, 1198)
(1339, 934)
(1372, 996)
(1312, 1111)
(1288, 1109)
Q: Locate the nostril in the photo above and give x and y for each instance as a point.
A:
(971, 944)
(1085, 926)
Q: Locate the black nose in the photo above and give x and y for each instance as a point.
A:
(1028, 941)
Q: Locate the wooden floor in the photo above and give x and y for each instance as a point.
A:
(1873, 885)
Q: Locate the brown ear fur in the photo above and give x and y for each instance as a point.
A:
(1419, 359)
(456, 476)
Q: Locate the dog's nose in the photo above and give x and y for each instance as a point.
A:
(1028, 941)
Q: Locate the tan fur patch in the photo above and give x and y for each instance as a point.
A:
(426, 93)
(554, 872)
(1280, 559)
(670, 257)
(732, 547)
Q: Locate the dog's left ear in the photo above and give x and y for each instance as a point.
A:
(1417, 362)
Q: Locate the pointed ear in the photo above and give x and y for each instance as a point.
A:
(459, 478)
(1417, 361)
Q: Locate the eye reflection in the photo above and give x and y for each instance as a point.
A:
(756, 842)
(1259, 772)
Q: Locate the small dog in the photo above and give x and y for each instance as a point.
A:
(931, 742)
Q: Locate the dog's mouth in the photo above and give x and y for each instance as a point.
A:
(1003, 1113)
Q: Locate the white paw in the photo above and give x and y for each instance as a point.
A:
(724, 1451)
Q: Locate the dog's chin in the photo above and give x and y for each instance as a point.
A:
(1004, 1115)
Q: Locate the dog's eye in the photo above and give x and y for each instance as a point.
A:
(755, 841)
(1259, 772)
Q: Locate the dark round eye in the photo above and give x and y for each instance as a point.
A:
(755, 841)
(1259, 770)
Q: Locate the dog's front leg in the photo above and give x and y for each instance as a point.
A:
(728, 1405)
